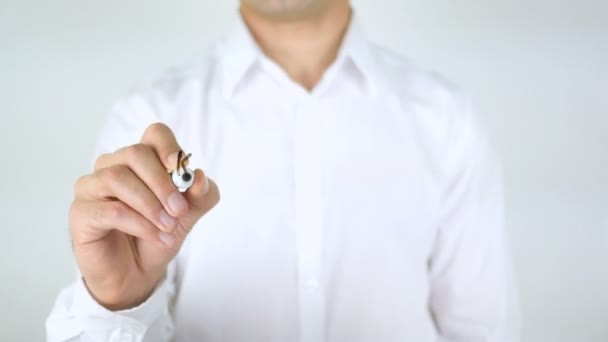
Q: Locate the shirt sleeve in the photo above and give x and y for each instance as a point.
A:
(76, 315)
(473, 292)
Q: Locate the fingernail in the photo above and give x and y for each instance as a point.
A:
(206, 186)
(167, 221)
(177, 202)
(166, 238)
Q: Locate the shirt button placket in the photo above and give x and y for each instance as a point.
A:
(308, 219)
(129, 333)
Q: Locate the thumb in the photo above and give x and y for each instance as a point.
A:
(202, 196)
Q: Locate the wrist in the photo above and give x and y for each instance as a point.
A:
(118, 298)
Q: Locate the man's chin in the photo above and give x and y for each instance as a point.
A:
(285, 9)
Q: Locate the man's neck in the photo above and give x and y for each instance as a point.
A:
(303, 47)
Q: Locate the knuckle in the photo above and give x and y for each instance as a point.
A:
(79, 184)
(114, 174)
(156, 129)
(137, 152)
(111, 212)
(100, 161)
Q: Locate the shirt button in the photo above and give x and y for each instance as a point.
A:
(128, 334)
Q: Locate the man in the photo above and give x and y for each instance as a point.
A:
(361, 199)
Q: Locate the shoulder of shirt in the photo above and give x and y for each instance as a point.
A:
(440, 108)
(168, 84)
(401, 77)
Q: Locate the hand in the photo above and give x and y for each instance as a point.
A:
(128, 220)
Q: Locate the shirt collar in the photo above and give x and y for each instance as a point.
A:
(357, 48)
(239, 52)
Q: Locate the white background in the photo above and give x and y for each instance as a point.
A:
(538, 69)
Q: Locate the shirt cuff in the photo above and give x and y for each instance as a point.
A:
(102, 324)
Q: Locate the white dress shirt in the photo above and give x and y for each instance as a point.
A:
(369, 209)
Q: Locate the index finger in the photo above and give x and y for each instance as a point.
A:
(161, 139)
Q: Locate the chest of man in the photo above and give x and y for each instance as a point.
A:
(327, 209)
